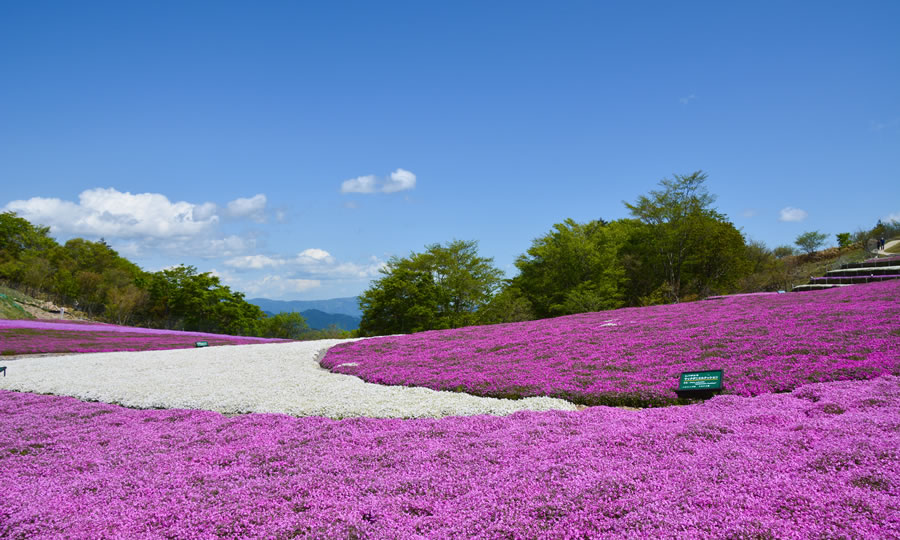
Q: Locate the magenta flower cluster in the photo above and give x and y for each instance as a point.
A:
(821, 462)
(764, 343)
(30, 337)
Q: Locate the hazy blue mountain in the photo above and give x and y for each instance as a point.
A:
(343, 306)
(319, 320)
(319, 314)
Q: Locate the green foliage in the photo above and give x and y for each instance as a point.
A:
(93, 278)
(843, 239)
(402, 302)
(687, 245)
(675, 248)
(509, 305)
(811, 241)
(290, 325)
(10, 309)
(444, 287)
(576, 267)
(784, 251)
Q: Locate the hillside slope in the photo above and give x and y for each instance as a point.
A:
(342, 306)
(633, 356)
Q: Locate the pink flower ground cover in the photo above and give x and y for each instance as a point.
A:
(820, 462)
(30, 337)
(633, 356)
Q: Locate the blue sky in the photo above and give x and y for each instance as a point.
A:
(294, 147)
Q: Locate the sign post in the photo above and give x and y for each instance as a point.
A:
(201, 344)
(700, 384)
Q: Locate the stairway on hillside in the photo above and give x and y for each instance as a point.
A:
(878, 269)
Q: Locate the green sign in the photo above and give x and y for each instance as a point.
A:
(701, 380)
(201, 344)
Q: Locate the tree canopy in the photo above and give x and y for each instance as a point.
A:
(93, 278)
(443, 287)
(811, 241)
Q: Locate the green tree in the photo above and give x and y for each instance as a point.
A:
(404, 300)
(688, 246)
(444, 287)
(783, 251)
(509, 305)
(843, 239)
(574, 268)
(811, 241)
(290, 325)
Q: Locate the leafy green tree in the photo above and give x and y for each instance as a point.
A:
(444, 287)
(403, 301)
(123, 302)
(687, 246)
(719, 260)
(464, 280)
(574, 268)
(289, 325)
(811, 241)
(843, 239)
(509, 305)
(783, 251)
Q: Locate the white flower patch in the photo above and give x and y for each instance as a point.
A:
(273, 377)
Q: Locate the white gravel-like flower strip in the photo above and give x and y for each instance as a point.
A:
(277, 377)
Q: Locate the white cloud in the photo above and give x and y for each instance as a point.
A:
(792, 214)
(253, 208)
(892, 217)
(204, 211)
(748, 213)
(400, 180)
(361, 184)
(314, 254)
(275, 286)
(352, 270)
(687, 99)
(253, 262)
(138, 223)
(108, 212)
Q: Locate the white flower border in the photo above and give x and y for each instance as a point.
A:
(271, 378)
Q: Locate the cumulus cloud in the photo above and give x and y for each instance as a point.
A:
(205, 211)
(144, 222)
(314, 254)
(276, 286)
(311, 264)
(360, 184)
(792, 214)
(253, 208)
(253, 262)
(108, 212)
(399, 180)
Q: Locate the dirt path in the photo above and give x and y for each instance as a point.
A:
(888, 245)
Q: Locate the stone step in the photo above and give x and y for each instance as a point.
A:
(852, 280)
(816, 287)
(886, 261)
(865, 271)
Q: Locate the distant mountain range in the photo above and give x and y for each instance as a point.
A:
(341, 312)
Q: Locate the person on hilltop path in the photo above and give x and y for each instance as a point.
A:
(881, 244)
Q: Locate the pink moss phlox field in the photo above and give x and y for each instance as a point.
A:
(821, 462)
(765, 343)
(30, 337)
